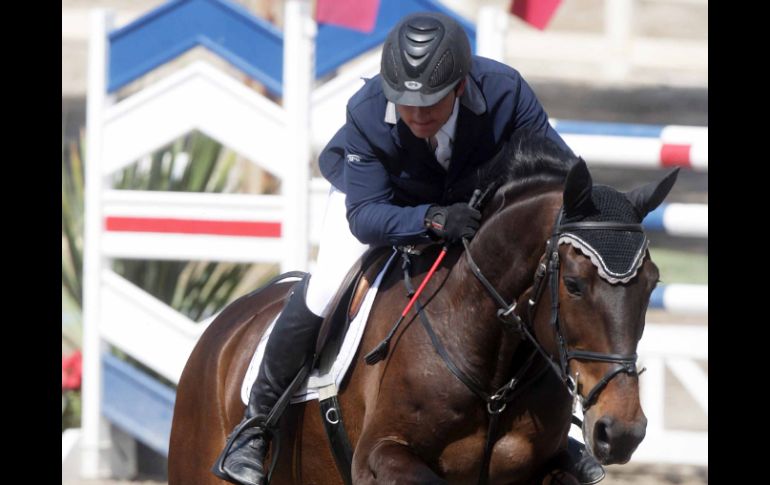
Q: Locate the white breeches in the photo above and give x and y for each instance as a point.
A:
(338, 250)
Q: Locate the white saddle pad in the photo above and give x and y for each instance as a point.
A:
(309, 389)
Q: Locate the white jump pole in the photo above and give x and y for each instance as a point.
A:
(490, 33)
(298, 75)
(95, 439)
(618, 29)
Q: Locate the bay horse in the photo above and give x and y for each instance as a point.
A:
(541, 311)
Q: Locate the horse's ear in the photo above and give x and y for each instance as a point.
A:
(577, 189)
(646, 198)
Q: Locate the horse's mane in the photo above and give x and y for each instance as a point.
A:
(527, 160)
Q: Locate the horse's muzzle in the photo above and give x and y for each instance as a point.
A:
(614, 441)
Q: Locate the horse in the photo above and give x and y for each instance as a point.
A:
(538, 313)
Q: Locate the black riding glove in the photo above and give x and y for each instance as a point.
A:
(452, 223)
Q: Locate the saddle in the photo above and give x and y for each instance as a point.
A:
(347, 301)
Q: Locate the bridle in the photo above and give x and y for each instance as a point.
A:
(548, 272)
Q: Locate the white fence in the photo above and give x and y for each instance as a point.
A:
(680, 351)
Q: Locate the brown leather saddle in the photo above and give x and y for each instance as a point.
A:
(347, 301)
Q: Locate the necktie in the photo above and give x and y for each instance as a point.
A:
(443, 148)
(433, 143)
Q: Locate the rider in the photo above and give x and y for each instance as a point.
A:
(402, 169)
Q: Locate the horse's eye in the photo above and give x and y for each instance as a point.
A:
(573, 285)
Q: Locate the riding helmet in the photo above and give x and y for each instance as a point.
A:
(424, 57)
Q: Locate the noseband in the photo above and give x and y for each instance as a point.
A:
(549, 266)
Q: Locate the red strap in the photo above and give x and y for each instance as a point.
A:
(425, 281)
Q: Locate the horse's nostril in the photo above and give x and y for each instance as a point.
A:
(602, 432)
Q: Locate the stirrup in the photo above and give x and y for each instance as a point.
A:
(218, 468)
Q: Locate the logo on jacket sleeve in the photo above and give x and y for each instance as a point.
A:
(353, 158)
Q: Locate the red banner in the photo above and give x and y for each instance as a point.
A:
(535, 12)
(358, 15)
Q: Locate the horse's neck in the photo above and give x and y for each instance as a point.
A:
(507, 250)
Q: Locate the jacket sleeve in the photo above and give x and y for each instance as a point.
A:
(372, 217)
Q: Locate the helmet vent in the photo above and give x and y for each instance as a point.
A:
(419, 44)
(443, 70)
(419, 38)
(392, 73)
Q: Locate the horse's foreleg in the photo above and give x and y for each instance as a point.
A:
(391, 460)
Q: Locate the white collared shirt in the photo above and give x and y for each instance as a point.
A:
(471, 98)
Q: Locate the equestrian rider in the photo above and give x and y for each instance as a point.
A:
(402, 169)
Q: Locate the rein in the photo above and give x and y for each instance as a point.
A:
(495, 402)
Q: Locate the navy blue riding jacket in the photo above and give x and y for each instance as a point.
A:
(391, 177)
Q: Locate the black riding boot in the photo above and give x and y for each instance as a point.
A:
(290, 344)
(581, 464)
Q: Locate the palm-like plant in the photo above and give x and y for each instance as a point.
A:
(72, 219)
(194, 163)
